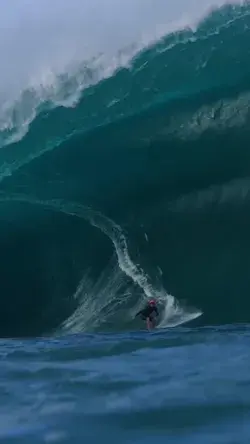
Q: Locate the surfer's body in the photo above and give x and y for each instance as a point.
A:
(149, 313)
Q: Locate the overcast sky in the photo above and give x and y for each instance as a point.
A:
(38, 36)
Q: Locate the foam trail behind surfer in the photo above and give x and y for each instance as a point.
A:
(173, 314)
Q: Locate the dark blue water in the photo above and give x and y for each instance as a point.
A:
(182, 386)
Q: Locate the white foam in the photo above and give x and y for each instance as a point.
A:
(173, 315)
(44, 43)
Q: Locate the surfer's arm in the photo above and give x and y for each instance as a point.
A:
(139, 312)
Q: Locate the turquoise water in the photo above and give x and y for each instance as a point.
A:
(115, 188)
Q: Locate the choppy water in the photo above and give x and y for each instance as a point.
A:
(182, 386)
(123, 176)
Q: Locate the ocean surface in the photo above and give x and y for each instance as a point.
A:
(183, 385)
(117, 184)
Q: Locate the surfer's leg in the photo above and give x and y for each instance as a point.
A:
(150, 324)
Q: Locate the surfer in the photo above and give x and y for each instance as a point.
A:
(148, 313)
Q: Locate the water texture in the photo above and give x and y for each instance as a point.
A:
(125, 176)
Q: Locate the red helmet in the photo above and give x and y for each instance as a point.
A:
(152, 302)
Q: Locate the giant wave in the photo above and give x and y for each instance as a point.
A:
(141, 188)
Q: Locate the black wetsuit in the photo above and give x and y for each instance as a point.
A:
(147, 312)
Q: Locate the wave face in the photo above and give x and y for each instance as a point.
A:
(140, 187)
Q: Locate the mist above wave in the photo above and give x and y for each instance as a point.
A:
(40, 41)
